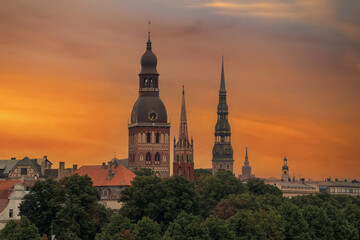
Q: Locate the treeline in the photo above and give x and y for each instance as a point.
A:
(214, 207)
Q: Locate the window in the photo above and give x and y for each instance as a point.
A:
(182, 158)
(179, 171)
(148, 158)
(227, 166)
(157, 138)
(220, 165)
(141, 157)
(188, 172)
(157, 158)
(177, 158)
(23, 171)
(145, 82)
(148, 138)
(11, 213)
(164, 158)
(105, 193)
(188, 158)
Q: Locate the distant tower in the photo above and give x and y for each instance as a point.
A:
(222, 150)
(183, 149)
(149, 131)
(246, 169)
(285, 171)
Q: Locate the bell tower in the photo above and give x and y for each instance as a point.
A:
(183, 149)
(149, 131)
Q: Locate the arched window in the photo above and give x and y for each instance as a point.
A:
(143, 138)
(188, 172)
(148, 158)
(179, 171)
(177, 158)
(164, 158)
(151, 83)
(139, 138)
(188, 158)
(157, 174)
(166, 138)
(145, 82)
(227, 166)
(141, 157)
(157, 158)
(157, 137)
(148, 137)
(182, 158)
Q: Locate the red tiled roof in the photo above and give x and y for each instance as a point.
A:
(99, 175)
(5, 192)
(9, 184)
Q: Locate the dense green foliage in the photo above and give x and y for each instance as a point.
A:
(20, 230)
(215, 207)
(72, 203)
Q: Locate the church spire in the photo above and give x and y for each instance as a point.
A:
(222, 82)
(183, 131)
(246, 156)
(148, 44)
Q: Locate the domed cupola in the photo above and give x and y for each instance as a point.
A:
(148, 60)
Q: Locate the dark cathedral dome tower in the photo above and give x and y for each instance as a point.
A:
(222, 150)
(149, 130)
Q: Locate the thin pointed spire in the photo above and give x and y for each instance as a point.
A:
(183, 108)
(148, 44)
(222, 82)
(246, 155)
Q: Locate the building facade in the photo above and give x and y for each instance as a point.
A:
(183, 148)
(149, 130)
(110, 180)
(246, 169)
(11, 194)
(222, 150)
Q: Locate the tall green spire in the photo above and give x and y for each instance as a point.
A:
(222, 82)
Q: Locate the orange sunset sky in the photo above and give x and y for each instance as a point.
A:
(69, 79)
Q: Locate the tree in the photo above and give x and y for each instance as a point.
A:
(119, 228)
(186, 227)
(258, 187)
(319, 223)
(147, 229)
(228, 206)
(257, 225)
(160, 200)
(20, 230)
(176, 194)
(296, 228)
(139, 197)
(217, 228)
(214, 188)
(81, 211)
(352, 214)
(201, 173)
(42, 203)
(342, 229)
(143, 171)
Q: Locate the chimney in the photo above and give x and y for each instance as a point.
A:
(13, 158)
(109, 171)
(45, 157)
(74, 167)
(103, 166)
(61, 165)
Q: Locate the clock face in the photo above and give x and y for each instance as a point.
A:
(152, 116)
